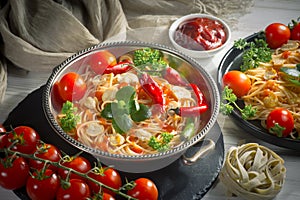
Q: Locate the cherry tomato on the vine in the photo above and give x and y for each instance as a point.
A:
(277, 34)
(295, 32)
(144, 189)
(107, 196)
(99, 61)
(280, 122)
(71, 87)
(47, 152)
(78, 163)
(238, 81)
(110, 177)
(3, 138)
(42, 186)
(27, 139)
(14, 173)
(77, 189)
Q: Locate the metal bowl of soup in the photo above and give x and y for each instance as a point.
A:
(135, 106)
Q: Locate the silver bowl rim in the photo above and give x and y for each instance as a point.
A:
(196, 138)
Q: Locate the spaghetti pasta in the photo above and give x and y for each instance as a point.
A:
(272, 88)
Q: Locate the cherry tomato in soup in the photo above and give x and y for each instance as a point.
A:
(77, 189)
(47, 152)
(43, 186)
(109, 177)
(78, 163)
(27, 139)
(280, 122)
(277, 34)
(71, 87)
(14, 173)
(238, 81)
(144, 189)
(295, 32)
(100, 60)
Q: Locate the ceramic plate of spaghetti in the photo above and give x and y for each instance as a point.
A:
(269, 106)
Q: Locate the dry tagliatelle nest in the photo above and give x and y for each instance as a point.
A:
(252, 171)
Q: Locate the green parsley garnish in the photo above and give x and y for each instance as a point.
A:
(161, 144)
(68, 119)
(253, 52)
(150, 60)
(230, 98)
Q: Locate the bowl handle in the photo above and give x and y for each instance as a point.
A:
(207, 146)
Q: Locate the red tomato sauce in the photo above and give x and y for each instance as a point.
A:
(200, 34)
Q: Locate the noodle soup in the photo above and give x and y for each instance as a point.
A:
(128, 103)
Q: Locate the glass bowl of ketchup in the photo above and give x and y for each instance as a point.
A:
(199, 35)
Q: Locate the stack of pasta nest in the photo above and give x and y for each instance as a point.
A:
(252, 171)
(3, 78)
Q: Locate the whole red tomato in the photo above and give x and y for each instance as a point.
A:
(78, 189)
(71, 87)
(144, 189)
(14, 172)
(3, 138)
(42, 186)
(110, 177)
(295, 32)
(78, 163)
(238, 81)
(280, 122)
(27, 139)
(47, 152)
(277, 34)
(100, 60)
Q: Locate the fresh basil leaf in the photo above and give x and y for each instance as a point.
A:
(291, 71)
(107, 112)
(122, 123)
(295, 82)
(126, 94)
(141, 114)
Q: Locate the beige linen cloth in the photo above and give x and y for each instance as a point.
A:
(37, 35)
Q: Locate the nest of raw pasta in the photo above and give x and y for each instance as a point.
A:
(252, 171)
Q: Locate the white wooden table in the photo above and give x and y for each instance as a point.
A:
(263, 13)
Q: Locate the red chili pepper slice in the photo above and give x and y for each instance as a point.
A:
(199, 95)
(173, 77)
(192, 111)
(119, 68)
(152, 89)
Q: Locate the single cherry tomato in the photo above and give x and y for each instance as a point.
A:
(109, 177)
(77, 189)
(238, 81)
(280, 122)
(47, 152)
(42, 185)
(144, 189)
(27, 139)
(71, 87)
(295, 32)
(78, 163)
(14, 172)
(100, 60)
(277, 34)
(3, 138)
(107, 196)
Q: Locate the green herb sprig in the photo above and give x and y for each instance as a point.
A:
(253, 52)
(229, 103)
(148, 59)
(161, 144)
(69, 118)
